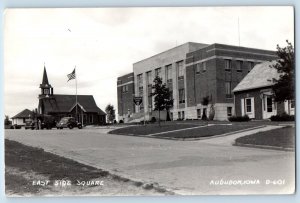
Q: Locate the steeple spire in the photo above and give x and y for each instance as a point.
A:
(45, 77)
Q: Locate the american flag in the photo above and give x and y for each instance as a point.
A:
(72, 75)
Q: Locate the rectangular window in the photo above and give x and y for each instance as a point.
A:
(181, 96)
(171, 116)
(250, 65)
(292, 104)
(198, 68)
(203, 66)
(149, 77)
(227, 65)
(239, 66)
(269, 104)
(179, 115)
(180, 71)
(229, 111)
(46, 91)
(228, 89)
(169, 73)
(199, 113)
(150, 102)
(140, 80)
(183, 115)
(158, 72)
(248, 106)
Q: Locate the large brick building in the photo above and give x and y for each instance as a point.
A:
(192, 71)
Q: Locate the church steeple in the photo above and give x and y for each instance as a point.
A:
(46, 88)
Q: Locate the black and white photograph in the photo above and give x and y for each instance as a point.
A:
(149, 101)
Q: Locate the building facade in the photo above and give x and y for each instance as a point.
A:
(21, 118)
(195, 72)
(253, 95)
(85, 110)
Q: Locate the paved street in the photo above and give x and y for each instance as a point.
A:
(184, 167)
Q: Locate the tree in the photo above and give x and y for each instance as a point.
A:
(110, 111)
(162, 96)
(284, 87)
(6, 120)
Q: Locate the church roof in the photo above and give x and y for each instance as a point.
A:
(260, 76)
(65, 103)
(23, 114)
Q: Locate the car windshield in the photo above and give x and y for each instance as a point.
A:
(64, 120)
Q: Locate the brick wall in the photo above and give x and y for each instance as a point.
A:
(125, 98)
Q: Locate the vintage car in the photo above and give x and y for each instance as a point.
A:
(68, 122)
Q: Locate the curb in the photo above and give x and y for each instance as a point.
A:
(239, 144)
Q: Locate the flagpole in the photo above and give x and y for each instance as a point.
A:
(76, 92)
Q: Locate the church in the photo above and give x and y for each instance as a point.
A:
(62, 105)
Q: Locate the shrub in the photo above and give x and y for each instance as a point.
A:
(121, 121)
(239, 118)
(282, 117)
(153, 120)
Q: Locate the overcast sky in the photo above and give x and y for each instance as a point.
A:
(103, 43)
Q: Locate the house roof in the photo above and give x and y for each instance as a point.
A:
(23, 114)
(260, 76)
(65, 103)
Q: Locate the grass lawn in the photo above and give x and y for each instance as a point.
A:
(205, 131)
(283, 137)
(25, 164)
(152, 128)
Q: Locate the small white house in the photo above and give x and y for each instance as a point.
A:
(21, 118)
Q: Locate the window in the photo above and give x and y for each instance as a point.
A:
(251, 65)
(158, 72)
(140, 80)
(46, 91)
(239, 66)
(171, 116)
(183, 115)
(180, 71)
(125, 88)
(229, 111)
(171, 94)
(292, 104)
(169, 73)
(149, 77)
(179, 115)
(227, 65)
(198, 68)
(269, 104)
(203, 66)
(199, 113)
(150, 102)
(248, 105)
(228, 89)
(181, 96)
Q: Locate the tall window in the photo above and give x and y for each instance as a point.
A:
(140, 83)
(248, 105)
(203, 66)
(229, 111)
(269, 104)
(198, 68)
(250, 65)
(181, 96)
(228, 89)
(169, 73)
(158, 72)
(180, 71)
(239, 66)
(149, 77)
(125, 88)
(198, 113)
(227, 65)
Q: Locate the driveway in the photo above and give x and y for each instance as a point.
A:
(184, 167)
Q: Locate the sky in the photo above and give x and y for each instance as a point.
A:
(103, 43)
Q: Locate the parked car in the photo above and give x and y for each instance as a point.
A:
(15, 126)
(29, 125)
(48, 122)
(68, 122)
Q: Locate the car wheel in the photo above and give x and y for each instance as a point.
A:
(70, 126)
(79, 127)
